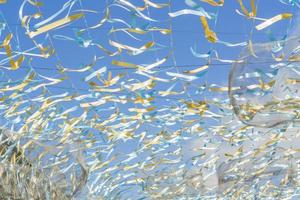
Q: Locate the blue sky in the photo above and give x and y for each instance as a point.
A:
(187, 33)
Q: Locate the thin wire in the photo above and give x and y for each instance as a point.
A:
(55, 52)
(174, 30)
(173, 51)
(152, 35)
(90, 36)
(168, 66)
(120, 55)
(211, 45)
(82, 89)
(19, 48)
(72, 84)
(253, 21)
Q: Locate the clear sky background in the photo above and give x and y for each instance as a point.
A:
(187, 33)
